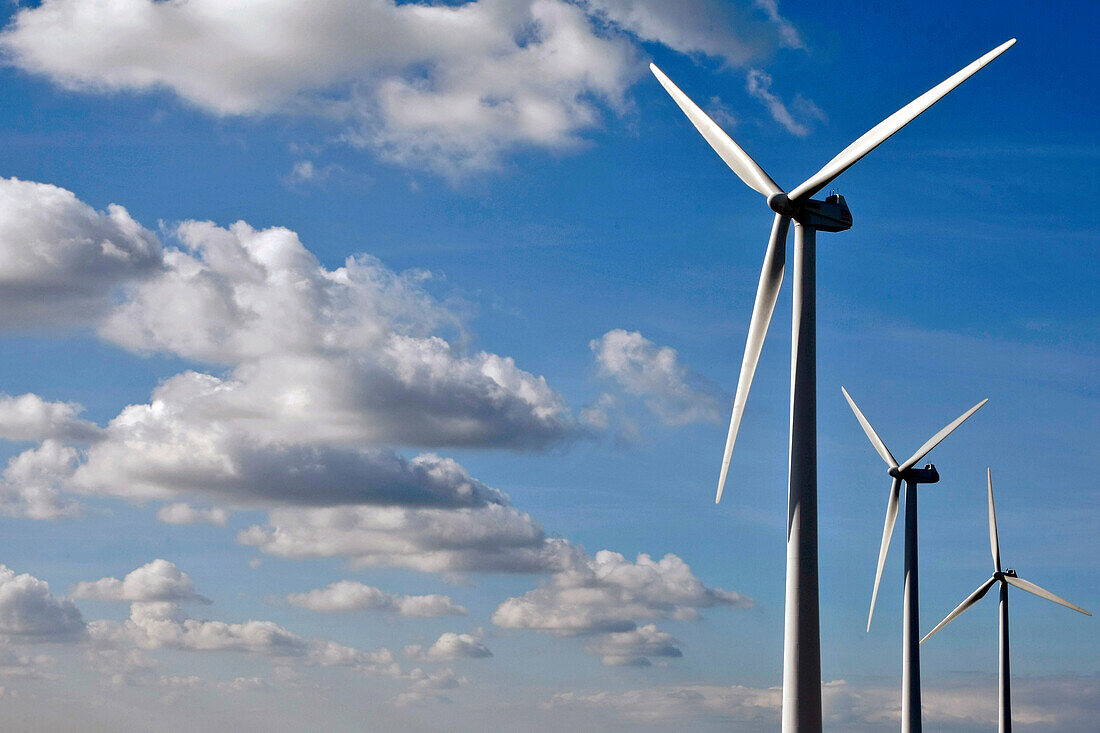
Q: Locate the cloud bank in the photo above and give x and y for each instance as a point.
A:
(447, 86)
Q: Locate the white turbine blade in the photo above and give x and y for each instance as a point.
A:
(887, 533)
(994, 545)
(737, 159)
(871, 434)
(938, 437)
(771, 277)
(1043, 593)
(970, 601)
(880, 132)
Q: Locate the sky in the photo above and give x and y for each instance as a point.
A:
(369, 363)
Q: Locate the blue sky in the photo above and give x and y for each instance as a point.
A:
(527, 361)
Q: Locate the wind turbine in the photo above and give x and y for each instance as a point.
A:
(801, 638)
(1006, 578)
(910, 647)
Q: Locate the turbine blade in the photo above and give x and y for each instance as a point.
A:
(737, 159)
(771, 277)
(970, 601)
(938, 437)
(880, 132)
(887, 533)
(1043, 593)
(871, 434)
(994, 545)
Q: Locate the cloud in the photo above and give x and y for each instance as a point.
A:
(157, 621)
(174, 447)
(718, 28)
(351, 355)
(951, 705)
(323, 653)
(29, 417)
(156, 581)
(450, 647)
(492, 538)
(164, 625)
(788, 34)
(608, 594)
(322, 372)
(447, 86)
(324, 365)
(30, 484)
(634, 648)
(182, 513)
(671, 390)
(348, 595)
(14, 663)
(758, 84)
(63, 262)
(29, 613)
(426, 686)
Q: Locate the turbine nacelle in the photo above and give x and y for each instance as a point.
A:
(926, 475)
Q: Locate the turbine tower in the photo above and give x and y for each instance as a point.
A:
(801, 637)
(912, 476)
(1006, 578)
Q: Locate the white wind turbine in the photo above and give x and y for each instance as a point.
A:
(1006, 578)
(801, 638)
(912, 476)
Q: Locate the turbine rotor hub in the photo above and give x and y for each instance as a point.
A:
(780, 204)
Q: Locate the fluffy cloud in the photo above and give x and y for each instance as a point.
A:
(493, 538)
(450, 86)
(164, 625)
(633, 648)
(671, 390)
(324, 365)
(29, 417)
(443, 85)
(350, 355)
(348, 595)
(29, 613)
(608, 594)
(323, 370)
(63, 260)
(450, 647)
(29, 486)
(166, 449)
(156, 581)
(428, 686)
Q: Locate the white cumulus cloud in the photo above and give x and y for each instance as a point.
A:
(608, 593)
(671, 390)
(159, 580)
(443, 85)
(492, 538)
(348, 595)
(29, 417)
(30, 613)
(450, 647)
(63, 260)
(634, 648)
